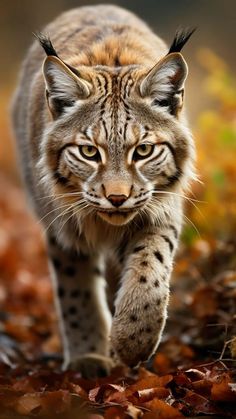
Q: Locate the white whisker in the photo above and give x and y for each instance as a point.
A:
(192, 224)
(166, 207)
(191, 200)
(74, 212)
(53, 210)
(60, 196)
(180, 195)
(68, 209)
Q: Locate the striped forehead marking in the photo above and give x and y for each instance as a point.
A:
(116, 128)
(115, 112)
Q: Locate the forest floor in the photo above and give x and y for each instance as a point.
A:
(192, 375)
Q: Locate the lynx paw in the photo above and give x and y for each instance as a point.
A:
(90, 365)
(133, 343)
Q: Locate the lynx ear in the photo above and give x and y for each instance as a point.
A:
(164, 84)
(64, 86)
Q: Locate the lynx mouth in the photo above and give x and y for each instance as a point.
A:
(113, 211)
(117, 217)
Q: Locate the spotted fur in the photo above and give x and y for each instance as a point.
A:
(109, 87)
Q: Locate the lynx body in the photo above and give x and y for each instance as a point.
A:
(106, 156)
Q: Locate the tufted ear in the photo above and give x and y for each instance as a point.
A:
(64, 86)
(164, 83)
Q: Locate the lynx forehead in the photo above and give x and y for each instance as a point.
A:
(106, 157)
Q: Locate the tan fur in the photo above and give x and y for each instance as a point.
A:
(115, 187)
(108, 89)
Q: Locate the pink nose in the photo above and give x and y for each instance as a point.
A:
(117, 200)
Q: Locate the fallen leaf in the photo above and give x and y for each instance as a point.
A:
(76, 389)
(221, 390)
(103, 393)
(133, 412)
(56, 402)
(28, 403)
(162, 410)
(202, 387)
(150, 382)
(149, 393)
(161, 363)
(115, 413)
(199, 404)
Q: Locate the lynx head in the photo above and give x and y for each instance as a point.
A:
(117, 140)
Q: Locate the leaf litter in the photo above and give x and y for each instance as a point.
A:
(192, 375)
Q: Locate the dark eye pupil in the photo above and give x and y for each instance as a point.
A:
(143, 147)
(90, 148)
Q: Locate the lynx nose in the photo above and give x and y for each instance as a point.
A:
(117, 200)
(117, 191)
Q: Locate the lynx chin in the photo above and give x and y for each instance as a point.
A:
(106, 157)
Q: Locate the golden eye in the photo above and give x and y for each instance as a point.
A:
(89, 152)
(143, 151)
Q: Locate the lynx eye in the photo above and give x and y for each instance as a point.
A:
(89, 152)
(143, 151)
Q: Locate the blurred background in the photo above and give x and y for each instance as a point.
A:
(207, 257)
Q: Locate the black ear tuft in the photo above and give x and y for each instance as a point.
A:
(45, 42)
(181, 37)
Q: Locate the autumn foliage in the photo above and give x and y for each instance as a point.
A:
(193, 373)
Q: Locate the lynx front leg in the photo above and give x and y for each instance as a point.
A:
(141, 304)
(82, 309)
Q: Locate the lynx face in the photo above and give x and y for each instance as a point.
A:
(115, 137)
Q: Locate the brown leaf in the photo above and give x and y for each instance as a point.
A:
(195, 374)
(161, 363)
(202, 387)
(221, 390)
(149, 394)
(115, 413)
(199, 404)
(104, 393)
(56, 401)
(162, 410)
(76, 389)
(149, 382)
(133, 412)
(182, 380)
(26, 385)
(28, 404)
(8, 397)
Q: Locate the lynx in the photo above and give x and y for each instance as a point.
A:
(106, 157)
